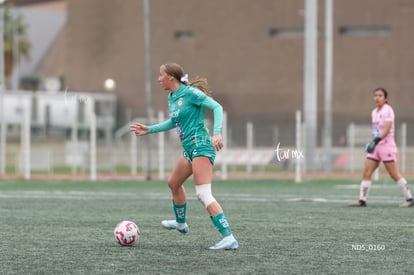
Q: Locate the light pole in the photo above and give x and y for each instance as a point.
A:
(2, 87)
(328, 84)
(147, 41)
(310, 82)
(109, 86)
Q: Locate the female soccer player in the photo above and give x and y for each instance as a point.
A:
(186, 102)
(382, 148)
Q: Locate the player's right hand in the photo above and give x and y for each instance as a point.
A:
(139, 129)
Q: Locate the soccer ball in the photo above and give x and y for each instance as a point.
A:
(126, 233)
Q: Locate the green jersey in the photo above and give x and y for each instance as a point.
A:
(186, 111)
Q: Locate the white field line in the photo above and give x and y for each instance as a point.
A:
(291, 198)
(374, 185)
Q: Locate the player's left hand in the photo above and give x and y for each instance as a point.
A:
(217, 142)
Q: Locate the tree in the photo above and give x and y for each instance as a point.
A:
(16, 40)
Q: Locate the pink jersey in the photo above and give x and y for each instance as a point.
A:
(386, 113)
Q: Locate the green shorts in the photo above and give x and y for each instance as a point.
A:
(199, 150)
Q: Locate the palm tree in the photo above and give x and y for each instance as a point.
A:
(16, 41)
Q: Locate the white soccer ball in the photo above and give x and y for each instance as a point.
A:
(126, 233)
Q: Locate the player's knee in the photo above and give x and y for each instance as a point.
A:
(367, 173)
(204, 195)
(173, 185)
(170, 183)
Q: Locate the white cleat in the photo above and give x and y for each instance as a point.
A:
(408, 203)
(172, 224)
(227, 243)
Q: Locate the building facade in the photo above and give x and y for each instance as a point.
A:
(252, 53)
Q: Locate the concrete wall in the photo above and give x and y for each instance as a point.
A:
(257, 76)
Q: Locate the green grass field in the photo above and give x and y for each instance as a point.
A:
(282, 228)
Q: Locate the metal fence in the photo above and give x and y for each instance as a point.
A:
(52, 134)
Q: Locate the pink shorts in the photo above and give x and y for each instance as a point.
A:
(384, 153)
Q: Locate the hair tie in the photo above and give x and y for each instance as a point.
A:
(184, 78)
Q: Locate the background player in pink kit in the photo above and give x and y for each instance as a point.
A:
(382, 149)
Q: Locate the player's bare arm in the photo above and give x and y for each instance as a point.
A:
(386, 130)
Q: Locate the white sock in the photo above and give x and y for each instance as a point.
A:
(363, 192)
(402, 183)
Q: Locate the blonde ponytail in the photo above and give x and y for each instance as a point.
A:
(201, 84)
(177, 72)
